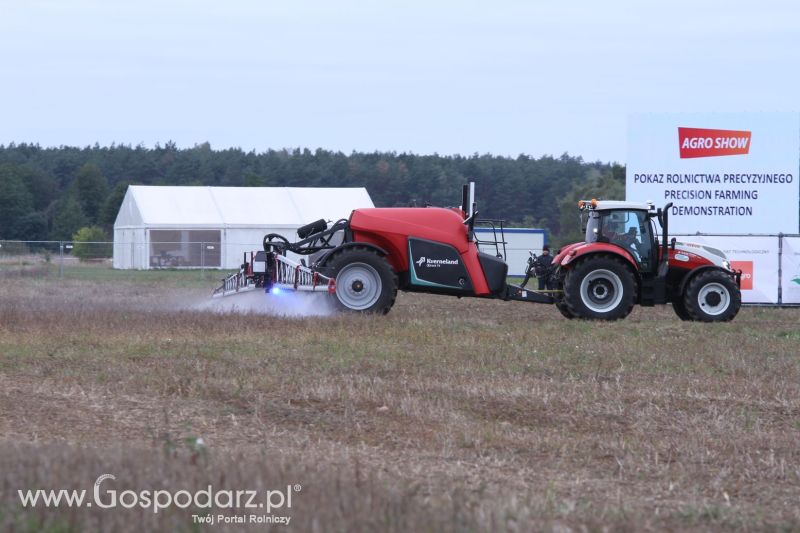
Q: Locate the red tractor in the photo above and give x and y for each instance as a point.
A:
(364, 260)
(621, 263)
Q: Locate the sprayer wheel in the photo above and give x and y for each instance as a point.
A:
(365, 282)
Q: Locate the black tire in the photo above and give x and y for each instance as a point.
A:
(680, 309)
(564, 310)
(365, 282)
(712, 296)
(600, 287)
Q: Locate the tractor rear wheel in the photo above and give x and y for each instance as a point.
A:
(365, 282)
(712, 296)
(564, 310)
(680, 309)
(600, 287)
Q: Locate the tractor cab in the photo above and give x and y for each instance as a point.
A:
(629, 228)
(627, 225)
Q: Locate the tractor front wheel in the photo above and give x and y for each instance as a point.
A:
(712, 296)
(365, 282)
(600, 287)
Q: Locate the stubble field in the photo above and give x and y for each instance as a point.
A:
(445, 414)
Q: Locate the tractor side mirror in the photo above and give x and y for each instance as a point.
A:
(672, 242)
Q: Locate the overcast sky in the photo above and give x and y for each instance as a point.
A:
(505, 77)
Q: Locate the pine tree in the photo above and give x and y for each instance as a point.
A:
(91, 188)
(110, 209)
(69, 219)
(15, 202)
(32, 226)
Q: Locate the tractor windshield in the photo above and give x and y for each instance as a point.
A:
(629, 229)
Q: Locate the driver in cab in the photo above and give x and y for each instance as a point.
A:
(614, 232)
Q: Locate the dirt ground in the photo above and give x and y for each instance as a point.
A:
(444, 415)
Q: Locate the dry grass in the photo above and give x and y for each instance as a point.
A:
(444, 415)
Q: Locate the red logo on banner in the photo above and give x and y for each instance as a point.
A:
(698, 142)
(747, 273)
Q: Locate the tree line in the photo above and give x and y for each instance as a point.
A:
(49, 193)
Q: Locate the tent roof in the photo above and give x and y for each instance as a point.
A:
(177, 206)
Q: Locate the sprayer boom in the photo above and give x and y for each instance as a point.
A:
(234, 284)
(270, 271)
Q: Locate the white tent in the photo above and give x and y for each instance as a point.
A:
(213, 226)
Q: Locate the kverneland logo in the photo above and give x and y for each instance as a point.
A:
(428, 262)
(699, 142)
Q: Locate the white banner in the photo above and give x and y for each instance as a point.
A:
(724, 172)
(756, 257)
(790, 265)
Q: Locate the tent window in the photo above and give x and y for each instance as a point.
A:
(185, 248)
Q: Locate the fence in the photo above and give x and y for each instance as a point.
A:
(54, 257)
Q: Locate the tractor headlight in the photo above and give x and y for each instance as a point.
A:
(726, 264)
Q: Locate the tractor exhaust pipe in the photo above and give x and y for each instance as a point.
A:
(468, 199)
(663, 218)
(471, 198)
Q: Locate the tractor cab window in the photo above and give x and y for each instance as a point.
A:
(630, 230)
